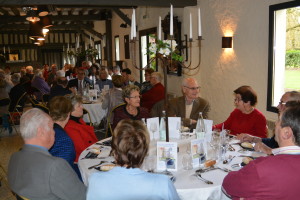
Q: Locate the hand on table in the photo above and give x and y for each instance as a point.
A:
(244, 137)
(261, 147)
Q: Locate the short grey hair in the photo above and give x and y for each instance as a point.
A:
(15, 78)
(186, 80)
(29, 68)
(38, 72)
(157, 75)
(31, 120)
(294, 96)
(75, 99)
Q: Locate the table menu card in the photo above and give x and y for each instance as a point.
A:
(167, 157)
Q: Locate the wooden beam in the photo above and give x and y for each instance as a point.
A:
(122, 15)
(116, 3)
(91, 30)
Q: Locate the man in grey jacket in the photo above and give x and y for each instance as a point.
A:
(33, 172)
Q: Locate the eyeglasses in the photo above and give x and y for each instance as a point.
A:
(136, 97)
(282, 103)
(237, 99)
(193, 88)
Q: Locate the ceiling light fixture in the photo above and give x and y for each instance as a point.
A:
(32, 16)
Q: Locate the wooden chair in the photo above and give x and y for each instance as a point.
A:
(45, 99)
(35, 104)
(86, 112)
(109, 120)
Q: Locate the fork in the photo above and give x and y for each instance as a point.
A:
(198, 175)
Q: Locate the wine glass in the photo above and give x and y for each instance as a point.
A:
(153, 128)
(187, 159)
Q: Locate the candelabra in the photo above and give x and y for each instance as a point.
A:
(166, 62)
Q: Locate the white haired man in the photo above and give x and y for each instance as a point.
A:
(190, 104)
(33, 172)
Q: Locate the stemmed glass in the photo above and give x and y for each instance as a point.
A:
(153, 128)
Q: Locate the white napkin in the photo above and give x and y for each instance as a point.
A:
(174, 127)
(153, 123)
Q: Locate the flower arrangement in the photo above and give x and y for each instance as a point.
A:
(82, 53)
(163, 47)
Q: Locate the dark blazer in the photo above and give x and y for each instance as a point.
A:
(35, 174)
(58, 90)
(74, 82)
(15, 93)
(177, 108)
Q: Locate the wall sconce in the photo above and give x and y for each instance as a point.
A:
(226, 42)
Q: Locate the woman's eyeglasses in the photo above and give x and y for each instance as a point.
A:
(136, 97)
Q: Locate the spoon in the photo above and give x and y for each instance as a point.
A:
(228, 160)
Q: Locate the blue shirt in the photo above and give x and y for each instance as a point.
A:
(130, 184)
(101, 83)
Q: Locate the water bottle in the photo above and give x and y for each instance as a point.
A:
(200, 128)
(162, 126)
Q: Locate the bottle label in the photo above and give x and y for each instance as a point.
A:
(200, 135)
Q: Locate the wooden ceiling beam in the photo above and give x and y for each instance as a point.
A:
(116, 3)
(126, 19)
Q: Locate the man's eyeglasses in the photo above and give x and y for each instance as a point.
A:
(193, 88)
(136, 97)
(237, 99)
(282, 103)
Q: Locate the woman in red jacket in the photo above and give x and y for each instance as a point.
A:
(245, 118)
(81, 134)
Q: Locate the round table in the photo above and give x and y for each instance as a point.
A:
(95, 110)
(186, 184)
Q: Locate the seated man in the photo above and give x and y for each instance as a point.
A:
(155, 94)
(60, 89)
(272, 177)
(81, 82)
(266, 145)
(188, 106)
(32, 172)
(128, 78)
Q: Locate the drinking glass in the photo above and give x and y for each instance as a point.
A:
(153, 128)
(187, 161)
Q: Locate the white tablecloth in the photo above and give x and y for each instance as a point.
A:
(187, 185)
(96, 112)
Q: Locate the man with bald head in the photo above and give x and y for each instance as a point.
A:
(190, 104)
(33, 172)
(267, 144)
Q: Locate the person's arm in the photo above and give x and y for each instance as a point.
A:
(270, 142)
(172, 191)
(244, 137)
(261, 126)
(227, 123)
(64, 182)
(261, 147)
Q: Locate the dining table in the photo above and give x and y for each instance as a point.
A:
(97, 113)
(187, 184)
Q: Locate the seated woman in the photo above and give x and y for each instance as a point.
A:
(114, 96)
(245, 118)
(81, 134)
(146, 85)
(59, 110)
(130, 144)
(132, 109)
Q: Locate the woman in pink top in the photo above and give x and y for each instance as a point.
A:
(245, 118)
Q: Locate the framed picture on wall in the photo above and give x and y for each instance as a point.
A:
(13, 57)
(126, 47)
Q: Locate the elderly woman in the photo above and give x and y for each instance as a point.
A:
(132, 109)
(245, 118)
(39, 83)
(130, 144)
(82, 135)
(146, 85)
(103, 81)
(59, 110)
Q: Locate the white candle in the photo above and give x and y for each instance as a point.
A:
(159, 28)
(171, 20)
(134, 23)
(131, 29)
(199, 23)
(191, 27)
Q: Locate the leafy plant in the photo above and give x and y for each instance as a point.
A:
(164, 48)
(292, 59)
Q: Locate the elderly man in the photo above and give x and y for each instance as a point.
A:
(32, 172)
(155, 94)
(272, 177)
(190, 104)
(81, 82)
(266, 145)
(39, 84)
(29, 72)
(104, 81)
(116, 70)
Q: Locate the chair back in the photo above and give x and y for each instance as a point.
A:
(86, 112)
(36, 104)
(109, 120)
(19, 104)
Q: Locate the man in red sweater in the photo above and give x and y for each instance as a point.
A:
(155, 94)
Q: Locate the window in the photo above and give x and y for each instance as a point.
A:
(145, 39)
(284, 51)
(98, 46)
(117, 47)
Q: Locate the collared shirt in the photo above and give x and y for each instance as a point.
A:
(188, 108)
(286, 150)
(43, 148)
